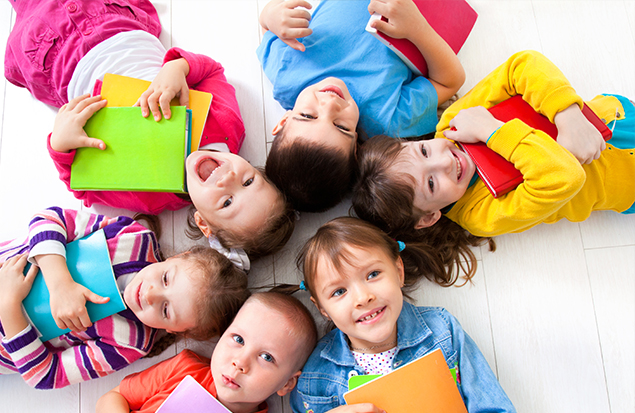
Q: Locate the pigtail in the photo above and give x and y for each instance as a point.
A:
(161, 344)
(153, 223)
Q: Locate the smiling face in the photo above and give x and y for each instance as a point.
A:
(160, 295)
(441, 172)
(255, 358)
(363, 297)
(230, 193)
(324, 113)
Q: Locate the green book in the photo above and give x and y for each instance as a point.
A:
(88, 261)
(141, 154)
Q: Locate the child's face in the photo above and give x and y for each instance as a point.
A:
(324, 113)
(255, 358)
(228, 192)
(160, 295)
(441, 171)
(364, 298)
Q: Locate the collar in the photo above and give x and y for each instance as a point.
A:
(411, 331)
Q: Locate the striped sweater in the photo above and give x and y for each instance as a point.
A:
(109, 344)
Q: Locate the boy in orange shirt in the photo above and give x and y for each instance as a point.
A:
(261, 353)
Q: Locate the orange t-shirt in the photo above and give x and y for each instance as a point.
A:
(146, 390)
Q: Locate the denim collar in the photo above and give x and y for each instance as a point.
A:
(411, 331)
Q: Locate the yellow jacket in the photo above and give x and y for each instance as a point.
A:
(555, 185)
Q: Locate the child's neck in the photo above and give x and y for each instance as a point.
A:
(241, 407)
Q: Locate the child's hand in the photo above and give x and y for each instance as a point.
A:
(15, 286)
(403, 17)
(68, 305)
(578, 135)
(287, 21)
(357, 408)
(472, 125)
(68, 130)
(170, 82)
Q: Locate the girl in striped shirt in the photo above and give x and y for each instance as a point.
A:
(159, 295)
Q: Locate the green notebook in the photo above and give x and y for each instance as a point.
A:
(88, 261)
(141, 154)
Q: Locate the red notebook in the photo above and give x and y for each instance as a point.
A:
(499, 175)
(451, 19)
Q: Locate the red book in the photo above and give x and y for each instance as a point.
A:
(451, 19)
(499, 175)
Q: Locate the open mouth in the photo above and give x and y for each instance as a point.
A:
(206, 168)
(139, 296)
(371, 316)
(334, 90)
(459, 168)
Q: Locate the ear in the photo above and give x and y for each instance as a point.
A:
(281, 123)
(319, 309)
(202, 224)
(290, 384)
(401, 271)
(428, 220)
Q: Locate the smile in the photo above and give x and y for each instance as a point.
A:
(206, 168)
(459, 168)
(334, 90)
(371, 316)
(139, 297)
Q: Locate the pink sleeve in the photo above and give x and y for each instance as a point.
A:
(224, 123)
(145, 202)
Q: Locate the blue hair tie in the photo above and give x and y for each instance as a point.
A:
(402, 245)
(302, 286)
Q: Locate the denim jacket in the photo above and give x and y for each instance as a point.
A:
(420, 330)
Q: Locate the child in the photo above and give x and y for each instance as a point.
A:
(194, 294)
(59, 52)
(313, 156)
(354, 273)
(405, 187)
(260, 354)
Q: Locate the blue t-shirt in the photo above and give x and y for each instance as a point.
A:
(391, 99)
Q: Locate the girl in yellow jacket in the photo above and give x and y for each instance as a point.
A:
(420, 190)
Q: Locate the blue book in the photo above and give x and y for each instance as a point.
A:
(88, 261)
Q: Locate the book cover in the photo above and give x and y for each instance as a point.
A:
(124, 91)
(424, 385)
(451, 19)
(89, 263)
(190, 396)
(141, 154)
(499, 175)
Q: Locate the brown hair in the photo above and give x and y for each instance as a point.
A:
(302, 322)
(313, 176)
(271, 237)
(387, 200)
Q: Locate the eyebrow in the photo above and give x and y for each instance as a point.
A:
(347, 134)
(417, 151)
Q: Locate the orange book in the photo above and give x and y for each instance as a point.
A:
(424, 385)
(124, 91)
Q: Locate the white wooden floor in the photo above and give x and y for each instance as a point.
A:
(553, 309)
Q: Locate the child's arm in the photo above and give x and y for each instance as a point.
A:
(68, 129)
(113, 402)
(445, 71)
(170, 82)
(578, 135)
(15, 288)
(287, 21)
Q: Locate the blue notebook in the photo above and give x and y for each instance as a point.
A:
(88, 262)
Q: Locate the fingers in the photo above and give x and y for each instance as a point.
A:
(292, 4)
(164, 103)
(97, 299)
(30, 275)
(184, 97)
(294, 44)
(75, 321)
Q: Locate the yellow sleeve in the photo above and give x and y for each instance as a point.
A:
(528, 73)
(552, 176)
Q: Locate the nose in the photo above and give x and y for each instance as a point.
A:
(151, 295)
(444, 162)
(363, 296)
(240, 364)
(226, 180)
(330, 103)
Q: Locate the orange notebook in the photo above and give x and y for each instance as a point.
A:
(124, 91)
(499, 175)
(451, 19)
(423, 386)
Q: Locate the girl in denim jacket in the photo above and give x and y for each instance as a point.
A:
(355, 274)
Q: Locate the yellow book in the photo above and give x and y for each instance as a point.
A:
(124, 91)
(424, 385)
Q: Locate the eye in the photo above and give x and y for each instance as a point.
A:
(238, 339)
(307, 116)
(165, 311)
(344, 128)
(424, 151)
(431, 184)
(164, 278)
(267, 357)
(228, 202)
(248, 182)
(338, 292)
(372, 275)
